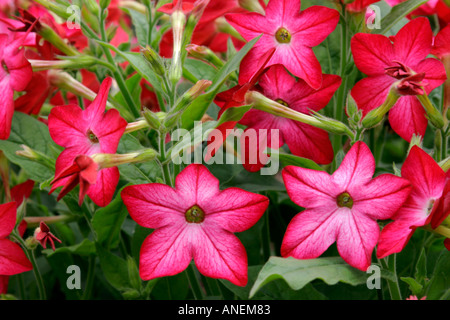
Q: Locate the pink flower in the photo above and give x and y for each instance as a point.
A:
(399, 60)
(86, 132)
(441, 44)
(194, 220)
(424, 10)
(12, 258)
(303, 140)
(342, 207)
(83, 172)
(291, 32)
(15, 74)
(43, 234)
(428, 181)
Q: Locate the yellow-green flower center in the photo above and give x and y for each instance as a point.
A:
(91, 136)
(195, 215)
(283, 35)
(284, 103)
(344, 200)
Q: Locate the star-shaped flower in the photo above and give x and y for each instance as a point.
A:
(291, 32)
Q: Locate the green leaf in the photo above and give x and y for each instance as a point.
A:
(421, 267)
(397, 13)
(84, 248)
(134, 88)
(199, 106)
(136, 173)
(291, 160)
(439, 286)
(233, 114)
(140, 25)
(298, 273)
(29, 131)
(414, 286)
(107, 222)
(114, 268)
(200, 69)
(138, 62)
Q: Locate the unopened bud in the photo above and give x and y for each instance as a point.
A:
(184, 101)
(252, 6)
(104, 4)
(433, 114)
(416, 140)
(36, 156)
(77, 62)
(154, 59)
(205, 54)
(51, 36)
(375, 116)
(222, 25)
(178, 22)
(133, 274)
(92, 6)
(108, 160)
(152, 118)
(31, 243)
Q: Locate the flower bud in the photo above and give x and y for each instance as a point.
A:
(51, 36)
(178, 22)
(31, 243)
(184, 101)
(92, 6)
(36, 156)
(109, 160)
(375, 116)
(252, 6)
(77, 62)
(152, 118)
(433, 115)
(133, 274)
(205, 54)
(154, 59)
(222, 25)
(260, 102)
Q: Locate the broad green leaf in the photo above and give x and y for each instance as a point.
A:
(114, 268)
(200, 69)
(291, 160)
(397, 13)
(107, 222)
(200, 105)
(138, 62)
(26, 130)
(298, 273)
(84, 248)
(140, 25)
(421, 267)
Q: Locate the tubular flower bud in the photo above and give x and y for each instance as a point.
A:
(375, 116)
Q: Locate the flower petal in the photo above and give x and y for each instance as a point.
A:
(166, 252)
(102, 191)
(12, 259)
(310, 188)
(356, 169)
(407, 117)
(153, 205)
(311, 232)
(7, 218)
(382, 196)
(393, 238)
(370, 93)
(372, 53)
(220, 255)
(357, 238)
(236, 210)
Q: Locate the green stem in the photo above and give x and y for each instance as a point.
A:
(90, 279)
(116, 73)
(37, 274)
(164, 163)
(390, 263)
(194, 283)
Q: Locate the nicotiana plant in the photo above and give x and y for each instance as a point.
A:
(225, 149)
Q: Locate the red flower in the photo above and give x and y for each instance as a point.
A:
(428, 181)
(303, 140)
(403, 63)
(194, 220)
(342, 207)
(43, 234)
(291, 33)
(12, 258)
(86, 132)
(359, 5)
(83, 172)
